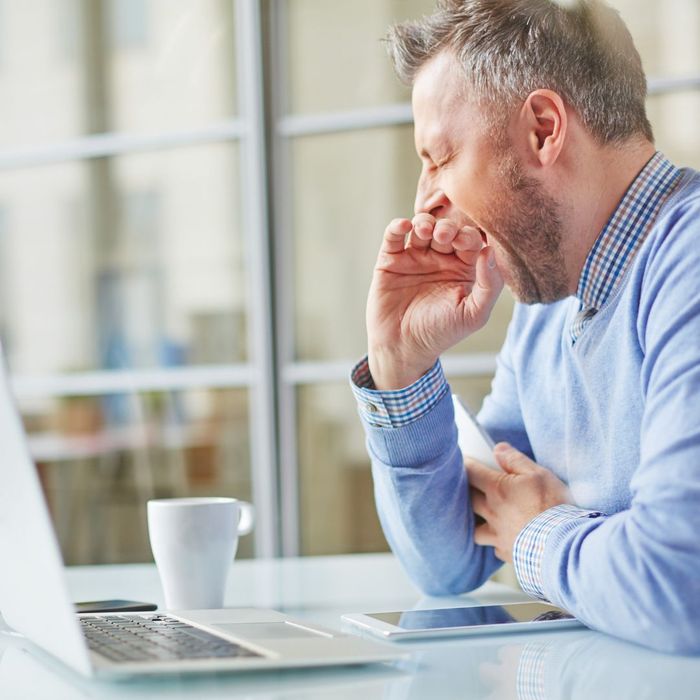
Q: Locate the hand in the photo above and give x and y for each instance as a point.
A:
(509, 499)
(434, 284)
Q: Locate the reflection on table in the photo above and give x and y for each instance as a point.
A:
(566, 665)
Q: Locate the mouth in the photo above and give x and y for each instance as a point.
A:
(484, 237)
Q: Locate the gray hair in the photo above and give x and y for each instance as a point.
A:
(580, 49)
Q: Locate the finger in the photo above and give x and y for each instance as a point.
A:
(485, 536)
(415, 241)
(394, 240)
(478, 305)
(422, 234)
(467, 244)
(424, 224)
(511, 460)
(481, 476)
(444, 248)
(445, 231)
(468, 238)
(479, 503)
(443, 235)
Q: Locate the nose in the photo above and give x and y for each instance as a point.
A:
(433, 202)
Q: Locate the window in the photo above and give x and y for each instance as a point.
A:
(139, 364)
(193, 193)
(127, 23)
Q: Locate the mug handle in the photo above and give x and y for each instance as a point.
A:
(247, 517)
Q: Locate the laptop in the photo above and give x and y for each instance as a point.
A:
(34, 601)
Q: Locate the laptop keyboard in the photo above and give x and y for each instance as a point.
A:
(129, 638)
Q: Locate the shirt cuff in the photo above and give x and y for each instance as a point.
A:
(394, 409)
(529, 547)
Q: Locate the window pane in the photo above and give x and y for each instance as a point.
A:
(169, 65)
(101, 458)
(82, 66)
(675, 118)
(336, 58)
(339, 217)
(666, 33)
(42, 87)
(337, 501)
(135, 261)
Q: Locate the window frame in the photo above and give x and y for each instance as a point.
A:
(264, 130)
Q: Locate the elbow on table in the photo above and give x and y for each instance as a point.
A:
(681, 636)
(673, 629)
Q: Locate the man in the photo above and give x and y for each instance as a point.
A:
(539, 170)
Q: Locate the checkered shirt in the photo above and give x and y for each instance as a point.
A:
(617, 244)
(528, 550)
(392, 409)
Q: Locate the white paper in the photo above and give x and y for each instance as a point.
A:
(473, 440)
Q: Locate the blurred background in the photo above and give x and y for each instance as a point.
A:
(192, 193)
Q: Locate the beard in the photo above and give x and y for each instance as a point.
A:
(528, 230)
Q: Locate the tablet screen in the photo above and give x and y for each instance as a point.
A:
(446, 618)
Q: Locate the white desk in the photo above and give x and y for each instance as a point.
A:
(568, 665)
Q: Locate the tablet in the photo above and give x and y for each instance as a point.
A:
(473, 440)
(447, 622)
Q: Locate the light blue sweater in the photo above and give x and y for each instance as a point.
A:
(616, 416)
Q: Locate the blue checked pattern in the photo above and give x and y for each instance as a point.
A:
(393, 409)
(528, 549)
(530, 681)
(617, 244)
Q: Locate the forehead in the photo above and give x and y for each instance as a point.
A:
(441, 106)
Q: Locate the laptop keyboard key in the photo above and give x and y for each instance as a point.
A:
(155, 638)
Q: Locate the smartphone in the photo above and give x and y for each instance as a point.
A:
(480, 619)
(473, 440)
(103, 606)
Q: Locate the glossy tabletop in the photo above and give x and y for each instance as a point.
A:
(566, 664)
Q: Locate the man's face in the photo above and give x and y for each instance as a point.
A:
(471, 174)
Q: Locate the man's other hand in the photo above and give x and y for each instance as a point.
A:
(507, 500)
(434, 283)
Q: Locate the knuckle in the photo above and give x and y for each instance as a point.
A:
(396, 225)
(424, 218)
(502, 486)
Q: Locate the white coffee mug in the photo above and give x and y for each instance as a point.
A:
(194, 541)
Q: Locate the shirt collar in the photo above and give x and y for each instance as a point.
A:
(617, 244)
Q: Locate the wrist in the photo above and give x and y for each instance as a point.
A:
(391, 372)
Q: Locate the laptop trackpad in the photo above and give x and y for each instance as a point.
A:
(266, 630)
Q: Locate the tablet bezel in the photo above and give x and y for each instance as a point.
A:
(386, 630)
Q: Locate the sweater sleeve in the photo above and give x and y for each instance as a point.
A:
(636, 574)
(420, 483)
(423, 502)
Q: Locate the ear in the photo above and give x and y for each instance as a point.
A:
(544, 118)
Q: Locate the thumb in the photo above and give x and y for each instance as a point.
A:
(487, 287)
(512, 461)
